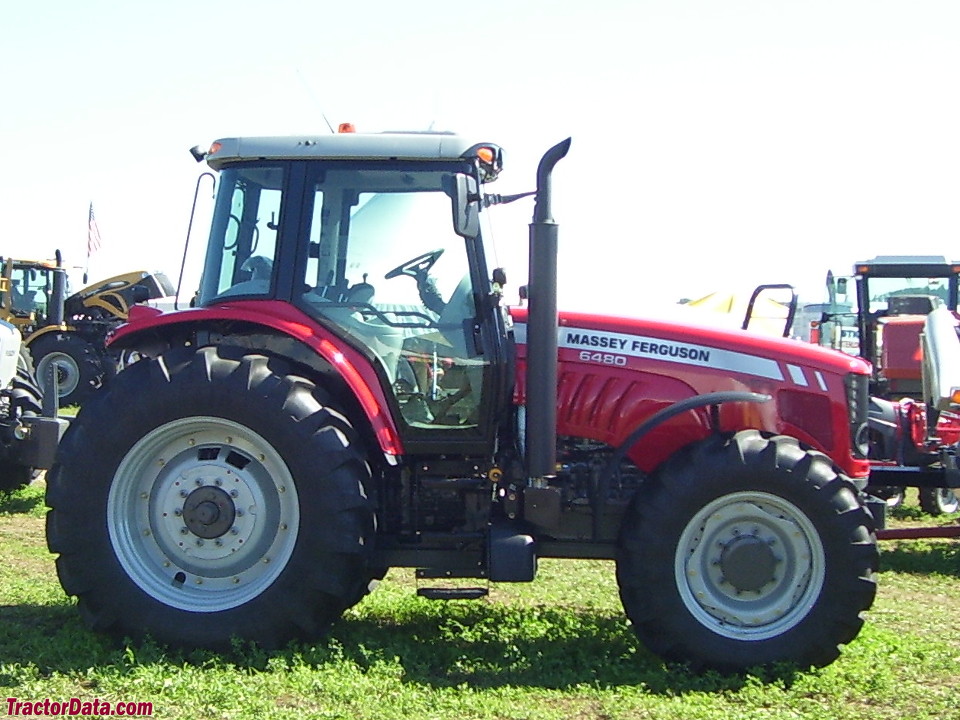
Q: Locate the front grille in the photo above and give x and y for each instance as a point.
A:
(858, 402)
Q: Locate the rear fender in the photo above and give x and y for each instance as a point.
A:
(150, 332)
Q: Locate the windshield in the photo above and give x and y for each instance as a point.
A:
(886, 297)
(907, 296)
(363, 232)
(30, 289)
(384, 266)
(357, 225)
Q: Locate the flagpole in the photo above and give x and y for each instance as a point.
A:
(86, 265)
(93, 241)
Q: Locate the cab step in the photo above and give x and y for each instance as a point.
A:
(453, 593)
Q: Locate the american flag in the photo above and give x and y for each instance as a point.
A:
(93, 233)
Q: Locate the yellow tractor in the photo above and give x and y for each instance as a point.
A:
(68, 331)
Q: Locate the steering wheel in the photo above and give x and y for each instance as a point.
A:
(420, 265)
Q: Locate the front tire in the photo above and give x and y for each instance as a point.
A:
(26, 399)
(938, 501)
(78, 366)
(745, 551)
(892, 495)
(230, 503)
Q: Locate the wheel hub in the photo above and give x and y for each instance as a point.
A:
(748, 563)
(209, 512)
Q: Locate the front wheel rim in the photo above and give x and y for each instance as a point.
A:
(67, 369)
(949, 501)
(749, 565)
(203, 514)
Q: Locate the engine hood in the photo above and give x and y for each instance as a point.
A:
(659, 338)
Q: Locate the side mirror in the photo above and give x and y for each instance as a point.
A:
(466, 205)
(841, 286)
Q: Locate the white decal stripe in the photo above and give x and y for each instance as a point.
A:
(796, 374)
(659, 349)
(820, 381)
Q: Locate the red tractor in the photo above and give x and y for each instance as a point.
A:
(349, 394)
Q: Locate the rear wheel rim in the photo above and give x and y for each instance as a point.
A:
(749, 565)
(203, 514)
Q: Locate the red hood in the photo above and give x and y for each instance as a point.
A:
(710, 336)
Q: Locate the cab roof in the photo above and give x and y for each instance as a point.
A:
(907, 266)
(423, 146)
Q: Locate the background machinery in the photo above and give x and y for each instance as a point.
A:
(350, 395)
(884, 318)
(29, 427)
(69, 331)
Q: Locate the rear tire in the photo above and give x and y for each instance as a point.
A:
(938, 501)
(230, 502)
(78, 365)
(745, 551)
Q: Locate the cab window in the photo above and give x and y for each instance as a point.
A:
(243, 237)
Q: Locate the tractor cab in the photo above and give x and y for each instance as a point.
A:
(882, 316)
(384, 251)
(27, 292)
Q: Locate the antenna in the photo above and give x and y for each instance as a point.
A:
(313, 96)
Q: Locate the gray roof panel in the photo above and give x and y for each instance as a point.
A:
(346, 146)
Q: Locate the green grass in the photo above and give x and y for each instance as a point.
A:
(555, 649)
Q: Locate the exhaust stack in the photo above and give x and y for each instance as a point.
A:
(541, 409)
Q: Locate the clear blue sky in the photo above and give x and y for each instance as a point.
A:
(716, 144)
